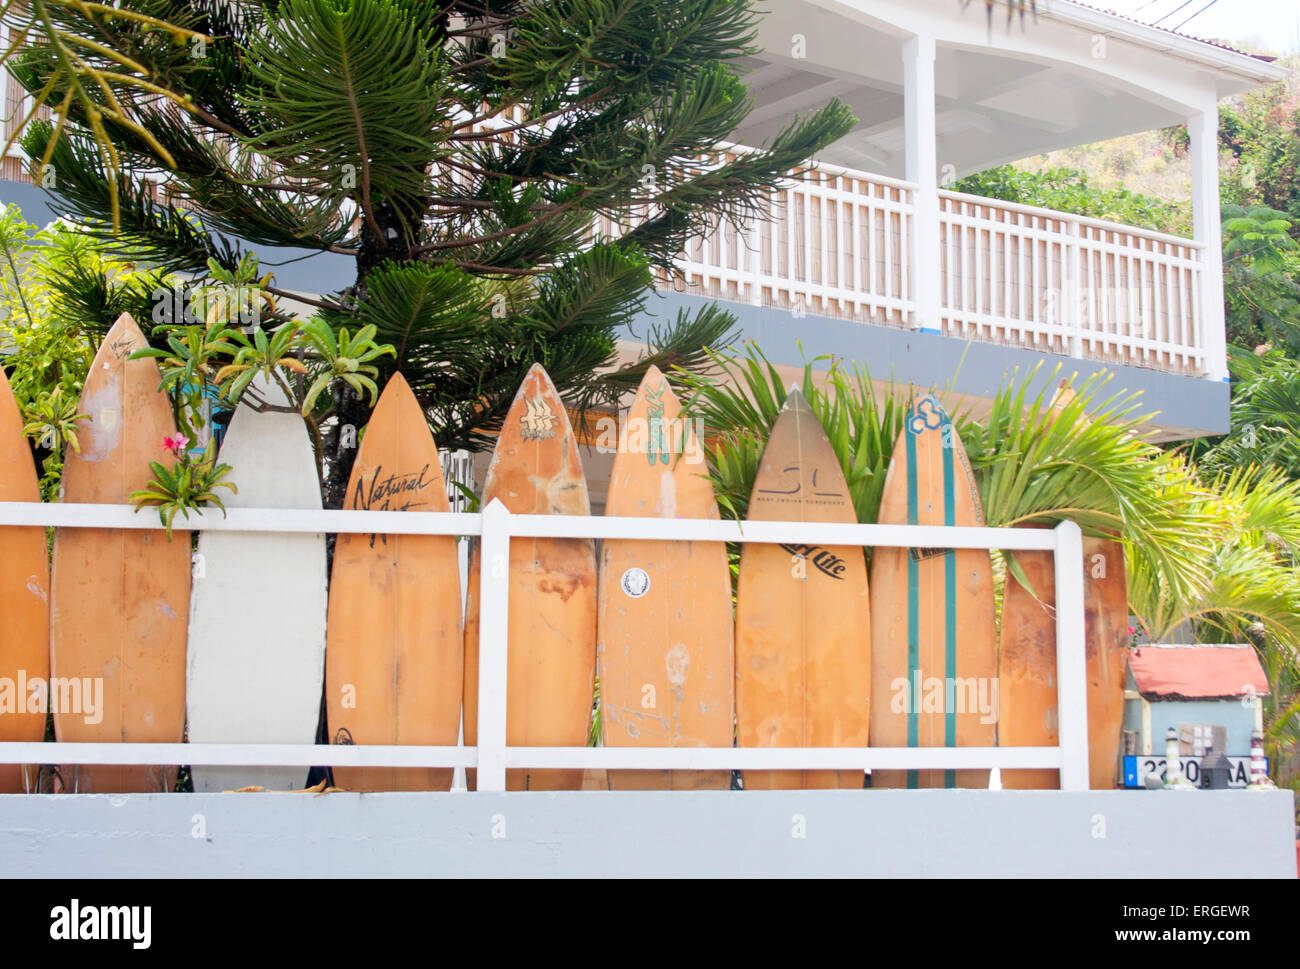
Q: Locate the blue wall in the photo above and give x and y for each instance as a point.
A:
(1189, 405)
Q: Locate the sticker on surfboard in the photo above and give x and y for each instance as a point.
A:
(635, 582)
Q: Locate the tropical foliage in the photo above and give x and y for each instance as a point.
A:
(1261, 278)
(94, 80)
(1260, 132)
(505, 177)
(1070, 190)
(188, 485)
(59, 293)
(1265, 417)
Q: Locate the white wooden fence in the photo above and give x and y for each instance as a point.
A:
(495, 527)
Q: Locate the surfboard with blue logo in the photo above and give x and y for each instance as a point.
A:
(934, 654)
(803, 640)
(664, 644)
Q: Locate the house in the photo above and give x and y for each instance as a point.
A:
(869, 257)
(1210, 695)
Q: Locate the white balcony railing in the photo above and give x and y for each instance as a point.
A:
(1075, 286)
(834, 242)
(492, 756)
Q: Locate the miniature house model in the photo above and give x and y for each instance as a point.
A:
(1210, 695)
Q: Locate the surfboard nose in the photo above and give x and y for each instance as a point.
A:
(653, 375)
(795, 400)
(126, 326)
(536, 382)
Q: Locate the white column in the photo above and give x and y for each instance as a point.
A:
(922, 169)
(1203, 129)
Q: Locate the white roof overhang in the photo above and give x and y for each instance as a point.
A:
(1075, 75)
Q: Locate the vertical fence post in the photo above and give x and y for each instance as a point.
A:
(493, 632)
(1071, 663)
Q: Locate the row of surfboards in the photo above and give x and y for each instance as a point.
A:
(815, 653)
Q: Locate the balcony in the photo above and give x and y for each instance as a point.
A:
(840, 243)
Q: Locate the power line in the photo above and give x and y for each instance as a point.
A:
(1197, 14)
(1185, 3)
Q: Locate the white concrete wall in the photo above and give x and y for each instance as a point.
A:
(847, 833)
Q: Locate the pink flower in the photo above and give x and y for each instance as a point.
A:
(1131, 630)
(176, 444)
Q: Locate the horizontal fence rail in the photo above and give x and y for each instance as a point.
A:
(492, 756)
(530, 526)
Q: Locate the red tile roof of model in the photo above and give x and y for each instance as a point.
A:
(1197, 672)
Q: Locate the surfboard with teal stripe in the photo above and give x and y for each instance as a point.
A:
(934, 653)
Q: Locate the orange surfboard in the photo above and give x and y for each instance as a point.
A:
(24, 602)
(803, 639)
(120, 604)
(1027, 661)
(933, 651)
(393, 660)
(664, 650)
(536, 470)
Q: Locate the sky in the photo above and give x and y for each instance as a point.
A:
(1271, 25)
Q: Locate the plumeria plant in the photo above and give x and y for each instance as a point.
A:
(235, 344)
(52, 425)
(187, 486)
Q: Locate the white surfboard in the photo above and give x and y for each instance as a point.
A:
(256, 662)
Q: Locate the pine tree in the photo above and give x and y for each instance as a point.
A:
(462, 152)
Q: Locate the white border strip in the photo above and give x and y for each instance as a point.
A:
(613, 758)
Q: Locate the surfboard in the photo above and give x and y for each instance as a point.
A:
(394, 664)
(1027, 662)
(24, 602)
(1027, 665)
(664, 647)
(1105, 609)
(803, 618)
(257, 613)
(1027, 657)
(120, 599)
(536, 470)
(933, 649)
